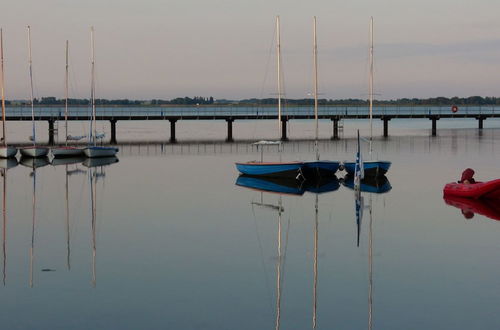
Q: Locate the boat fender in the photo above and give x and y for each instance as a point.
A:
(454, 109)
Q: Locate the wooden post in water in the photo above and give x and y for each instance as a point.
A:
(386, 126)
(172, 130)
(335, 128)
(434, 124)
(113, 131)
(229, 130)
(480, 120)
(283, 129)
(51, 132)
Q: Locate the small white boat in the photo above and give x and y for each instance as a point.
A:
(66, 151)
(93, 150)
(34, 151)
(96, 151)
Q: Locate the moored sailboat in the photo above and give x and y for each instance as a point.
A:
(5, 150)
(66, 150)
(318, 168)
(372, 167)
(93, 150)
(34, 150)
(278, 169)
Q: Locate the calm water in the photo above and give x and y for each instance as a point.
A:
(175, 244)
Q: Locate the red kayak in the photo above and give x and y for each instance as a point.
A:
(488, 189)
(486, 207)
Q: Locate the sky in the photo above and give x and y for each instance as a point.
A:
(224, 48)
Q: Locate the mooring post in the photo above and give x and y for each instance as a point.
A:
(335, 128)
(434, 122)
(481, 119)
(229, 130)
(113, 131)
(51, 132)
(283, 129)
(386, 125)
(172, 130)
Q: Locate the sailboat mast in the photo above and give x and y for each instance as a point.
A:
(371, 84)
(4, 142)
(31, 87)
(278, 64)
(315, 60)
(66, 95)
(93, 131)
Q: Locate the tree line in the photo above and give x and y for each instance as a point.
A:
(201, 101)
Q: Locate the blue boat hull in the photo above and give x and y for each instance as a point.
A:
(372, 168)
(320, 168)
(286, 170)
(268, 184)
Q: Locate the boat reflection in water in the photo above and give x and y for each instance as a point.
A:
(376, 185)
(101, 161)
(291, 187)
(35, 162)
(288, 186)
(56, 161)
(6, 163)
(489, 208)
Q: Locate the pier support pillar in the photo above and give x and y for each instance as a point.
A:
(335, 129)
(229, 130)
(283, 129)
(172, 130)
(51, 132)
(113, 131)
(386, 126)
(480, 120)
(434, 124)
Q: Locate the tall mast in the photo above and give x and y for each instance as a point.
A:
(66, 95)
(315, 60)
(31, 87)
(371, 84)
(92, 88)
(2, 87)
(278, 64)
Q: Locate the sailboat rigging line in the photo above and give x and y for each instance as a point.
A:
(371, 84)
(315, 69)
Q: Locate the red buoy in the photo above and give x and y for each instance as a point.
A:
(454, 108)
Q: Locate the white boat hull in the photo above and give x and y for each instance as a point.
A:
(66, 151)
(34, 151)
(7, 152)
(92, 152)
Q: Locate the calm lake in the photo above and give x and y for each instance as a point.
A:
(165, 239)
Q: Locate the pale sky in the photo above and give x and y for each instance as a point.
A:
(221, 48)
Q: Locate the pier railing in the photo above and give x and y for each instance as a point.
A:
(57, 113)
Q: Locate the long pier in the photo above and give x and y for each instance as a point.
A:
(229, 114)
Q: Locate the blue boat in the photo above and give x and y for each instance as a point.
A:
(376, 185)
(275, 169)
(268, 184)
(373, 168)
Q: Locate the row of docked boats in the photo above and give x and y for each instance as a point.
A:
(35, 150)
(287, 186)
(37, 162)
